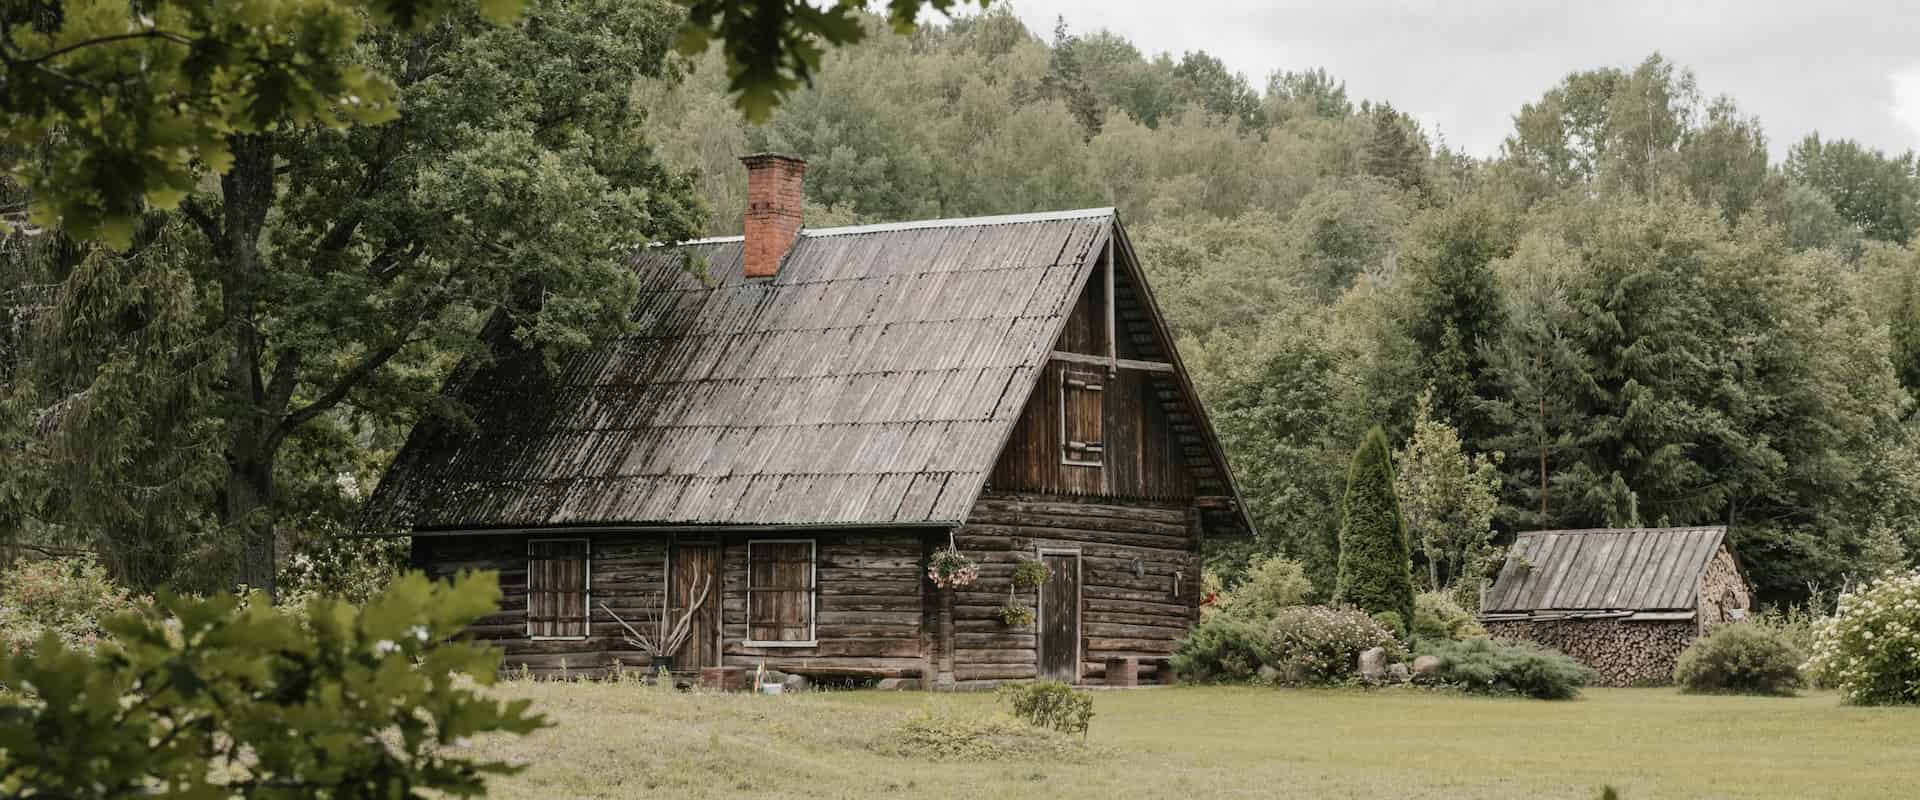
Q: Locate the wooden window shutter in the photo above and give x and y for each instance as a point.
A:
(1082, 418)
(558, 587)
(780, 593)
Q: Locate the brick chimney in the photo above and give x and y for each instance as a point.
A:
(773, 210)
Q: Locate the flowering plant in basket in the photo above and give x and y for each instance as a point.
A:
(949, 569)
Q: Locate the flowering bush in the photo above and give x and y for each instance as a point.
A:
(1016, 614)
(1301, 645)
(951, 569)
(1318, 644)
(67, 597)
(1870, 648)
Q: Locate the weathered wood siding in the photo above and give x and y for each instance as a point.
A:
(1121, 614)
(1143, 457)
(623, 570)
(868, 614)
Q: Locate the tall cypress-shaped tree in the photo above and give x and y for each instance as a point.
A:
(1376, 571)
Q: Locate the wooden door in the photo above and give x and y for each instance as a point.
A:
(1060, 618)
(695, 566)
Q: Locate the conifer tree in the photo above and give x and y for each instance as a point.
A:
(1376, 570)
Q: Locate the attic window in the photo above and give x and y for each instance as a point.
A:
(1081, 418)
(558, 587)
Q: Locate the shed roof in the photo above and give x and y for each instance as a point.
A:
(872, 381)
(1605, 570)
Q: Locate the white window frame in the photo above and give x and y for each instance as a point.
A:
(528, 611)
(813, 594)
(1067, 373)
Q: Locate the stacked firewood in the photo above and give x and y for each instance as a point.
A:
(1624, 653)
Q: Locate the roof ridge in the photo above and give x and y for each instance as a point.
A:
(956, 222)
(1666, 529)
(920, 224)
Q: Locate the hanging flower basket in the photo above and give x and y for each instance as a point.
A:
(949, 569)
(1016, 614)
(1030, 573)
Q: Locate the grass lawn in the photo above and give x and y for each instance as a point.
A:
(614, 740)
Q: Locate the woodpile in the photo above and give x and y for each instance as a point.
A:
(1623, 652)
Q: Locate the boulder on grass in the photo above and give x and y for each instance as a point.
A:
(1373, 664)
(1268, 674)
(796, 683)
(898, 684)
(1398, 673)
(1426, 665)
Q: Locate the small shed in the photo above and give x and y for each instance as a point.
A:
(1625, 601)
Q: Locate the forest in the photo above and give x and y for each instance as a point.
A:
(1630, 316)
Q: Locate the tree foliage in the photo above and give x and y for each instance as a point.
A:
(310, 292)
(198, 698)
(1447, 495)
(1375, 566)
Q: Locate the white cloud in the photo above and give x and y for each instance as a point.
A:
(1906, 98)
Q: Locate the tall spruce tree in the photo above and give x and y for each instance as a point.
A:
(1376, 568)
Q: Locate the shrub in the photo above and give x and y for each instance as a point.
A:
(1272, 583)
(67, 598)
(1870, 648)
(1376, 567)
(197, 697)
(1223, 647)
(1050, 704)
(1310, 645)
(1743, 658)
(1392, 622)
(1437, 617)
(1495, 667)
(943, 733)
(353, 569)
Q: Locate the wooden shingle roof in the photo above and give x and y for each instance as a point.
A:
(872, 381)
(1604, 570)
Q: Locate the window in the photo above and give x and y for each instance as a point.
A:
(780, 593)
(1081, 416)
(558, 588)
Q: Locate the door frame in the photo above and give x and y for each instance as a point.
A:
(1079, 610)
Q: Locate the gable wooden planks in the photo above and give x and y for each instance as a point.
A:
(1642, 569)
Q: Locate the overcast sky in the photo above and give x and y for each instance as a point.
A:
(1846, 69)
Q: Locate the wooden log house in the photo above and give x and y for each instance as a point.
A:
(801, 417)
(1625, 601)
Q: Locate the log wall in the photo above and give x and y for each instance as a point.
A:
(868, 614)
(1624, 653)
(622, 571)
(1121, 614)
